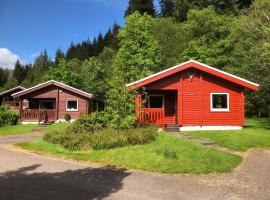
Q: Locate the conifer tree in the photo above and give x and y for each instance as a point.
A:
(19, 72)
(4, 75)
(167, 8)
(59, 54)
(142, 6)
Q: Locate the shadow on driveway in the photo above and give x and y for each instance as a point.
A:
(81, 184)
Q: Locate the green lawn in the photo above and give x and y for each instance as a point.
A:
(17, 129)
(255, 134)
(56, 127)
(166, 154)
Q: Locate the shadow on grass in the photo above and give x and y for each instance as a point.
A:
(81, 184)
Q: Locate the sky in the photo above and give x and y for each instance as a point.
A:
(30, 26)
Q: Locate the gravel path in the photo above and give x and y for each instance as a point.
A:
(26, 176)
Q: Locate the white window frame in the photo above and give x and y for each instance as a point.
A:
(156, 95)
(69, 110)
(220, 109)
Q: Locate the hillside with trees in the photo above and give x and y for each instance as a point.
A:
(232, 35)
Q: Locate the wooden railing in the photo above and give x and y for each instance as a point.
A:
(38, 115)
(150, 116)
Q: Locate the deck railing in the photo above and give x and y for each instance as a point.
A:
(38, 114)
(150, 116)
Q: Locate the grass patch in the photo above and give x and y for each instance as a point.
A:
(166, 154)
(255, 134)
(16, 129)
(56, 127)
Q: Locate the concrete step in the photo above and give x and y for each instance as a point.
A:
(172, 128)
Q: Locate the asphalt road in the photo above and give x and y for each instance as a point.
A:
(26, 176)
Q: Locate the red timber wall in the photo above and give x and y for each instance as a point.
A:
(61, 96)
(193, 98)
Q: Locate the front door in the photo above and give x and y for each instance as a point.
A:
(170, 107)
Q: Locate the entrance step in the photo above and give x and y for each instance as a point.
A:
(46, 123)
(172, 128)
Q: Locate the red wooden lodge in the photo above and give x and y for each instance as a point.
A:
(192, 96)
(50, 101)
(7, 99)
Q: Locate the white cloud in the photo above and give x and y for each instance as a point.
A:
(7, 58)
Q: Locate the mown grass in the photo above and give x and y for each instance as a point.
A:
(255, 134)
(166, 154)
(16, 129)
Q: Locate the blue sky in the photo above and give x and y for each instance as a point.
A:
(29, 26)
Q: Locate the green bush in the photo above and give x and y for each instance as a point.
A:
(8, 117)
(67, 117)
(108, 138)
(69, 141)
(111, 138)
(88, 124)
(99, 120)
(141, 135)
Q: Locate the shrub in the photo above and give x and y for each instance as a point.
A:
(8, 117)
(111, 138)
(88, 124)
(141, 135)
(67, 117)
(68, 141)
(108, 138)
(98, 120)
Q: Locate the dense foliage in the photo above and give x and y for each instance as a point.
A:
(98, 131)
(231, 35)
(111, 138)
(8, 117)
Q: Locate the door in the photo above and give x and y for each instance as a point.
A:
(170, 107)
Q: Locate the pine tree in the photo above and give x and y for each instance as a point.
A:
(142, 6)
(19, 73)
(4, 75)
(167, 8)
(59, 54)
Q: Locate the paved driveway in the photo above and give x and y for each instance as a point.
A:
(29, 176)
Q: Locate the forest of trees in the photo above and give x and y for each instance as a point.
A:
(232, 35)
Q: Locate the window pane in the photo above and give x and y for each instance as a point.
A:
(156, 101)
(72, 105)
(219, 101)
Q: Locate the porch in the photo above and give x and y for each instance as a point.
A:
(157, 107)
(38, 110)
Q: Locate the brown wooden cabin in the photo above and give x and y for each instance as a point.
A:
(50, 101)
(7, 99)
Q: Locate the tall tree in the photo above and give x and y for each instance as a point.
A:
(40, 67)
(183, 6)
(172, 38)
(208, 33)
(64, 73)
(142, 6)
(4, 75)
(59, 54)
(138, 56)
(19, 72)
(167, 8)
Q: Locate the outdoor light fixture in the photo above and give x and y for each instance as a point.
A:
(191, 75)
